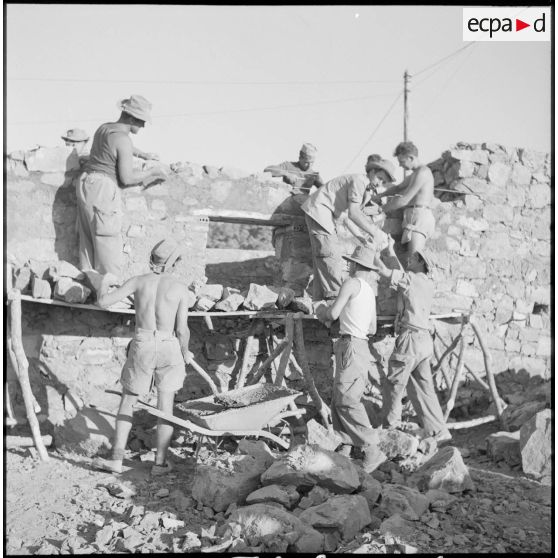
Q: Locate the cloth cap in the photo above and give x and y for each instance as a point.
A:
(308, 149)
(76, 134)
(382, 164)
(363, 255)
(137, 106)
(428, 259)
(165, 253)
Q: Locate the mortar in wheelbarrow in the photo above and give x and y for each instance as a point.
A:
(248, 408)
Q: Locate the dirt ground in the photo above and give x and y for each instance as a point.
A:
(64, 506)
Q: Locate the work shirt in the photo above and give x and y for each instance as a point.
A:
(291, 168)
(102, 157)
(359, 313)
(416, 292)
(332, 200)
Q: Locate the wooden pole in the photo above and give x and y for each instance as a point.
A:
(248, 348)
(443, 370)
(267, 362)
(451, 347)
(300, 349)
(285, 355)
(21, 368)
(405, 105)
(456, 378)
(489, 374)
(204, 375)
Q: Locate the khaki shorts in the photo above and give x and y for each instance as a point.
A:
(417, 219)
(153, 356)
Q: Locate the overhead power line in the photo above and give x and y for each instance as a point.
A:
(203, 82)
(369, 138)
(208, 113)
(442, 60)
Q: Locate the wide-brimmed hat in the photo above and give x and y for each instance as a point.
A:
(76, 134)
(382, 164)
(364, 256)
(165, 253)
(308, 149)
(428, 259)
(137, 106)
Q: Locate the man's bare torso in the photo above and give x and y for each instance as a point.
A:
(156, 300)
(425, 194)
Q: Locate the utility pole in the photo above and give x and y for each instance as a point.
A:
(405, 105)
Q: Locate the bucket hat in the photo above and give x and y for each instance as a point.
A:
(137, 106)
(76, 134)
(382, 164)
(165, 253)
(364, 256)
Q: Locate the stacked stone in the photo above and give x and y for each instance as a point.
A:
(493, 244)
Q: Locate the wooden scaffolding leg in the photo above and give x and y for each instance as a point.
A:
(267, 362)
(285, 355)
(249, 346)
(300, 349)
(21, 366)
(456, 379)
(489, 374)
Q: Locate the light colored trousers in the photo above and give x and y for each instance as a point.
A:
(409, 368)
(349, 417)
(99, 222)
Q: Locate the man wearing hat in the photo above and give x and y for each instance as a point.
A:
(415, 194)
(409, 364)
(355, 307)
(299, 173)
(76, 138)
(157, 352)
(342, 197)
(109, 168)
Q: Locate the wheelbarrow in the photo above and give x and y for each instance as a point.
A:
(249, 411)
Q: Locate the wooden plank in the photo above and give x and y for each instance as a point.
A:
(253, 218)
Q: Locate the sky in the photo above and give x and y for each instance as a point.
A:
(246, 86)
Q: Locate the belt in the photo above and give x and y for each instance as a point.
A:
(349, 336)
(417, 206)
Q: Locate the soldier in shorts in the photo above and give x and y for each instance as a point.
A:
(157, 353)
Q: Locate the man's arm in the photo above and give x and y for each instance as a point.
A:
(361, 220)
(144, 155)
(393, 189)
(348, 289)
(281, 170)
(124, 163)
(181, 326)
(106, 299)
(417, 181)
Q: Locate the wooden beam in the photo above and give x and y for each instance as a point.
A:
(285, 355)
(456, 379)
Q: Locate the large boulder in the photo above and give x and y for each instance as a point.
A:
(397, 526)
(517, 415)
(535, 441)
(347, 514)
(287, 496)
(320, 436)
(219, 488)
(308, 465)
(445, 470)
(264, 524)
(395, 443)
(260, 297)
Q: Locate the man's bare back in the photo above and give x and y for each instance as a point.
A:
(420, 185)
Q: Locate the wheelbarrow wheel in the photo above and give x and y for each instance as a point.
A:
(282, 429)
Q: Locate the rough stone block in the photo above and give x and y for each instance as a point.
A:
(318, 435)
(52, 159)
(533, 160)
(397, 526)
(445, 470)
(70, 291)
(397, 444)
(495, 246)
(544, 347)
(405, 501)
(499, 173)
(136, 231)
(260, 297)
(234, 173)
(475, 156)
(309, 465)
(287, 496)
(504, 446)
(136, 203)
(65, 269)
(204, 304)
(213, 292)
(231, 303)
(477, 225)
(521, 175)
(22, 277)
(539, 195)
(535, 439)
(466, 288)
(347, 514)
(40, 288)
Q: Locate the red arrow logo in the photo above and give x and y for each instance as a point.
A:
(519, 25)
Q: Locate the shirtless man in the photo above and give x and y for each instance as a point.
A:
(157, 352)
(415, 194)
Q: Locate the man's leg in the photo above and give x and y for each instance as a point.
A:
(123, 426)
(109, 254)
(425, 402)
(165, 403)
(400, 365)
(417, 242)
